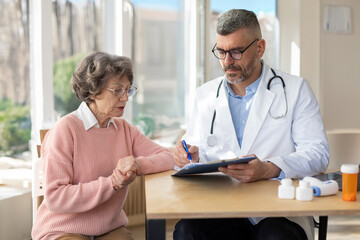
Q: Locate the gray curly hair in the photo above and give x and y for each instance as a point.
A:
(93, 72)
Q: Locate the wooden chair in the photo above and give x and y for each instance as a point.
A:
(37, 186)
(134, 206)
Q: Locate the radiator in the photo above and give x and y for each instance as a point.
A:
(135, 202)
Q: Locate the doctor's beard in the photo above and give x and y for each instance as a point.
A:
(245, 72)
(242, 78)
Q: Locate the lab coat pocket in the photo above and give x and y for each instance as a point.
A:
(271, 122)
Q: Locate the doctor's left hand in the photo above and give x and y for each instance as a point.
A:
(180, 155)
(253, 171)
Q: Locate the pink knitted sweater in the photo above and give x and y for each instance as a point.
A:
(78, 164)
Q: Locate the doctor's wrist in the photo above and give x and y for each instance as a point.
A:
(272, 171)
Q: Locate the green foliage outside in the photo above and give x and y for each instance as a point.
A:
(15, 122)
(146, 125)
(15, 127)
(65, 100)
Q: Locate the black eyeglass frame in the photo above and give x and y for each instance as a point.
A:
(229, 51)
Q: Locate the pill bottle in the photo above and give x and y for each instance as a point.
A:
(304, 192)
(286, 190)
(349, 181)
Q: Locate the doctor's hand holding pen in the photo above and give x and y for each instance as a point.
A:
(185, 153)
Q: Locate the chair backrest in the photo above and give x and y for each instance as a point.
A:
(37, 185)
(42, 136)
(344, 147)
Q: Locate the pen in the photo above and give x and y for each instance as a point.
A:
(187, 150)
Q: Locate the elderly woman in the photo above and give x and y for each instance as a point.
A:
(92, 155)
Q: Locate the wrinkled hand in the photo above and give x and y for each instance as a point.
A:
(120, 180)
(125, 172)
(253, 171)
(180, 155)
(128, 164)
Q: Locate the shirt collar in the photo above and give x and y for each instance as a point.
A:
(88, 118)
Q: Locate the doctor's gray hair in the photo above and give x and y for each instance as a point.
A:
(235, 19)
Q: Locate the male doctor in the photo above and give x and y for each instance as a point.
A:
(253, 110)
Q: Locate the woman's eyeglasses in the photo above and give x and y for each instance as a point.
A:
(120, 92)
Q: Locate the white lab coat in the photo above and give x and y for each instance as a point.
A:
(296, 143)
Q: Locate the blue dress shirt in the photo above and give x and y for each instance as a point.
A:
(240, 107)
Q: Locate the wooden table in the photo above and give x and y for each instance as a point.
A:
(219, 196)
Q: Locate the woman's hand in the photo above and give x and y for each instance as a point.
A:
(120, 180)
(128, 164)
(125, 172)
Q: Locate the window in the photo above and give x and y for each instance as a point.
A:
(158, 108)
(76, 30)
(159, 56)
(159, 59)
(15, 121)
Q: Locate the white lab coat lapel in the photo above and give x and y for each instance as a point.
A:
(259, 110)
(224, 124)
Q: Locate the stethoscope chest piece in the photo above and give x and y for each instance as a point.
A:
(211, 141)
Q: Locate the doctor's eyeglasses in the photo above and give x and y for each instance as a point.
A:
(235, 54)
(120, 92)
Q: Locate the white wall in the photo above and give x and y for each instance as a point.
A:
(300, 26)
(15, 213)
(340, 81)
(327, 60)
(310, 44)
(289, 19)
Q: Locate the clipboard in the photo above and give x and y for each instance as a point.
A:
(208, 167)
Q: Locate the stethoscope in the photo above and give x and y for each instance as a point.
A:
(211, 139)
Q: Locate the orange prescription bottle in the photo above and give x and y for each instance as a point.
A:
(349, 181)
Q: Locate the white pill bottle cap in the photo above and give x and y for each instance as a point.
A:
(349, 168)
(303, 183)
(286, 181)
